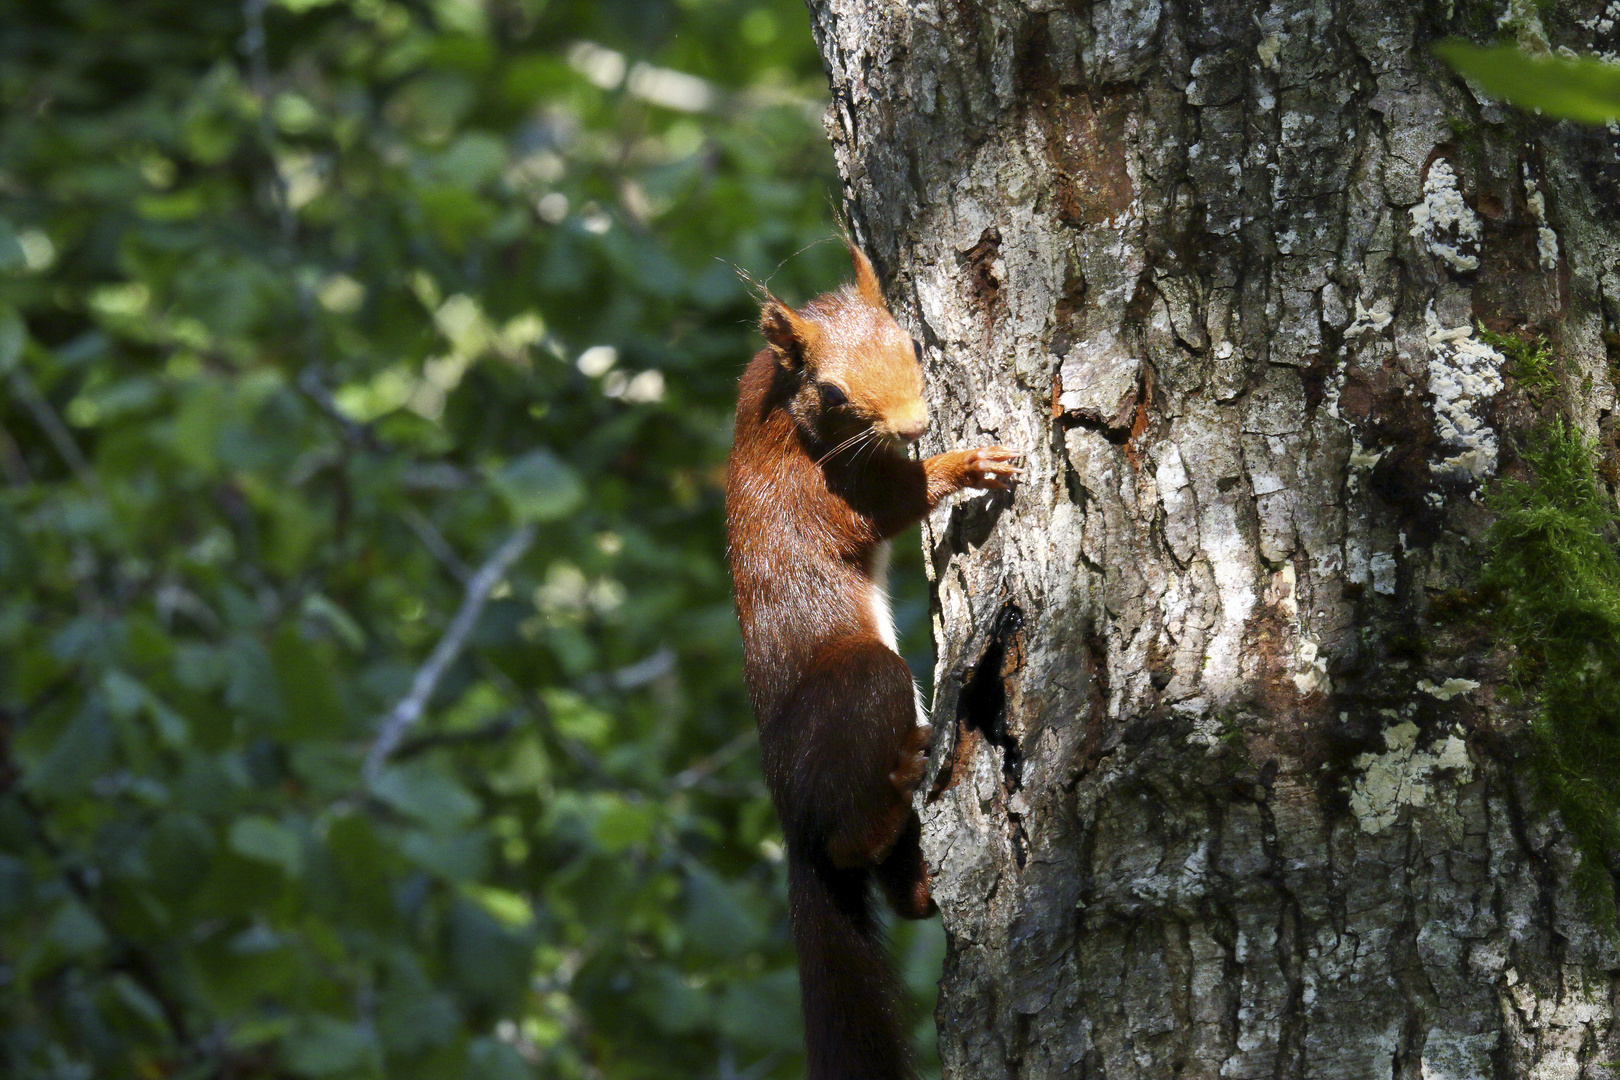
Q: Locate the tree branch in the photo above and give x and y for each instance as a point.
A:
(576, 751)
(494, 731)
(434, 541)
(51, 424)
(705, 767)
(399, 720)
(11, 461)
(312, 384)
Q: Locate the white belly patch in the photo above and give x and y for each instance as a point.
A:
(877, 597)
(877, 602)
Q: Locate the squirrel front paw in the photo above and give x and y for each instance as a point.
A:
(993, 467)
(908, 771)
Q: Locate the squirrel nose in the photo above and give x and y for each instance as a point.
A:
(912, 430)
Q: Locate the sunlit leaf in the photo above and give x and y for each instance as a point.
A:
(1584, 89)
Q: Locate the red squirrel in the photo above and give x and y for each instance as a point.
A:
(817, 483)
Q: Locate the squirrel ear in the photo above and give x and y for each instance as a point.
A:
(865, 277)
(785, 332)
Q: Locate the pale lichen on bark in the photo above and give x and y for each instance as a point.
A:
(1225, 783)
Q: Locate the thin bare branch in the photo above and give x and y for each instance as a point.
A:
(403, 716)
(45, 416)
(11, 461)
(434, 541)
(312, 384)
(577, 751)
(494, 731)
(705, 767)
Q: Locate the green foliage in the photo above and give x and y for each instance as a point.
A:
(1584, 88)
(1531, 361)
(305, 306)
(1556, 581)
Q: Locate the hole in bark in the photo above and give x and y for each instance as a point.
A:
(981, 713)
(979, 260)
(1069, 315)
(1115, 435)
(1034, 65)
(1073, 485)
(982, 706)
(1314, 378)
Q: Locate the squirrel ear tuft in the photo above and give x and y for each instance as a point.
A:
(785, 332)
(865, 277)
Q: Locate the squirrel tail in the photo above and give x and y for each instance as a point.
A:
(850, 995)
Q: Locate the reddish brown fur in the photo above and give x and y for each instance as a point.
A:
(815, 486)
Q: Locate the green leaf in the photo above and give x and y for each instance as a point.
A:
(331, 769)
(11, 252)
(1584, 89)
(411, 1017)
(257, 1031)
(364, 868)
(540, 487)
(135, 998)
(253, 689)
(455, 856)
(268, 841)
(763, 1011)
(472, 160)
(16, 553)
(14, 887)
(622, 825)
(492, 1059)
(314, 706)
(677, 1007)
(126, 697)
(325, 1046)
(319, 608)
(489, 963)
(13, 336)
(718, 918)
(75, 930)
(82, 750)
(420, 791)
(179, 850)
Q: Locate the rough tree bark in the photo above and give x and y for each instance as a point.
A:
(1222, 787)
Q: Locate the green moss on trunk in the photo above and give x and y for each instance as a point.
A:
(1556, 582)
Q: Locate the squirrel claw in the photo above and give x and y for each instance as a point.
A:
(992, 467)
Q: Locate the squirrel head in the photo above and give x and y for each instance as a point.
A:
(849, 368)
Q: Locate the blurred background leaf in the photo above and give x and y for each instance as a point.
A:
(304, 306)
(1563, 87)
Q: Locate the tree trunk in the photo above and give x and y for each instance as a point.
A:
(1225, 787)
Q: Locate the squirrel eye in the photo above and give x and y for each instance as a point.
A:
(832, 396)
